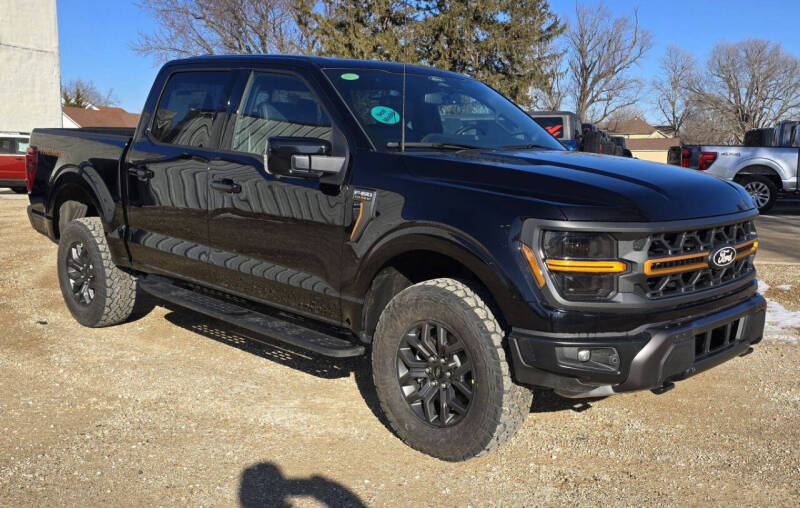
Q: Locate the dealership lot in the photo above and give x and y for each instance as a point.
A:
(176, 408)
(779, 231)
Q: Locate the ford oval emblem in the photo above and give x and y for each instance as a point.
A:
(721, 257)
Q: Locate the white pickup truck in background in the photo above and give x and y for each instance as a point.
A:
(766, 172)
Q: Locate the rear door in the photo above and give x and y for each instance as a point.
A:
(167, 174)
(276, 239)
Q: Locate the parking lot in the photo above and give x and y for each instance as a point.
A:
(779, 231)
(176, 408)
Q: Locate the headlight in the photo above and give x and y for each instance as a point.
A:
(575, 245)
(583, 266)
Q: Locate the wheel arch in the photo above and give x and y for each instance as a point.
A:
(84, 185)
(417, 257)
(761, 168)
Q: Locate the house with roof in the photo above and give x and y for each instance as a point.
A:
(642, 139)
(97, 116)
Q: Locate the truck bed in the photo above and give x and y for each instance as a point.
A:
(89, 157)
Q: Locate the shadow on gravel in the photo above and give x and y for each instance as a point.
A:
(263, 484)
(545, 401)
(276, 351)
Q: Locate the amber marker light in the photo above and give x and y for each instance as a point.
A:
(537, 271)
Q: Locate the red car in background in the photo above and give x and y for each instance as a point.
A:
(12, 160)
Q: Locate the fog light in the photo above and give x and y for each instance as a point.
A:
(599, 359)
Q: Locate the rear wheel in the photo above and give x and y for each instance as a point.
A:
(762, 190)
(441, 373)
(96, 292)
(20, 190)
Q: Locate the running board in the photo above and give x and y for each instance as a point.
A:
(254, 321)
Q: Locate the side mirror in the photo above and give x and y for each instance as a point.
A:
(301, 157)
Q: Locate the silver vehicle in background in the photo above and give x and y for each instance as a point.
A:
(766, 172)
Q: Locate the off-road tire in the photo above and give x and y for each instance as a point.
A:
(765, 182)
(115, 292)
(499, 406)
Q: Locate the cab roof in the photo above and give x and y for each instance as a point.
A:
(315, 61)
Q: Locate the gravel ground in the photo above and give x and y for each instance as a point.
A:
(174, 408)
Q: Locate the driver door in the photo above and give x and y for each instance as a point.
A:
(274, 238)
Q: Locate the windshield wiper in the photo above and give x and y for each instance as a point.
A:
(435, 146)
(524, 147)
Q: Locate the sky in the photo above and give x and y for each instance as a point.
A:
(95, 36)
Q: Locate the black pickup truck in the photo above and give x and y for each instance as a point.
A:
(348, 206)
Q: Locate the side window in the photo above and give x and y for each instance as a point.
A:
(7, 145)
(277, 105)
(188, 106)
(22, 146)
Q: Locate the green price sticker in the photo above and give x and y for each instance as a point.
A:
(349, 76)
(385, 114)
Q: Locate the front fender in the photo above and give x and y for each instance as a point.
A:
(500, 278)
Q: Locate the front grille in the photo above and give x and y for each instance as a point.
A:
(717, 339)
(678, 263)
(699, 240)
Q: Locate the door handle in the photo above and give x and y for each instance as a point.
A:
(192, 156)
(140, 173)
(226, 185)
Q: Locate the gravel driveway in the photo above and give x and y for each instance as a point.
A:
(174, 408)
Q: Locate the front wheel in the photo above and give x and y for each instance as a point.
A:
(441, 373)
(20, 190)
(96, 292)
(762, 190)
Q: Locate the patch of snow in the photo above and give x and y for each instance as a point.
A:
(782, 325)
(784, 287)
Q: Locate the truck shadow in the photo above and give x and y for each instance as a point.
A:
(264, 484)
(545, 401)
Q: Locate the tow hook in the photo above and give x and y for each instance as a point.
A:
(663, 388)
(749, 350)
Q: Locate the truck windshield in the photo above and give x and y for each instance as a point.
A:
(441, 112)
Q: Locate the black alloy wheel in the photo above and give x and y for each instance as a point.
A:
(435, 374)
(81, 274)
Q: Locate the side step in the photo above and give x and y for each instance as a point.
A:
(254, 321)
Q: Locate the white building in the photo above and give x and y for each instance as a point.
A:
(30, 71)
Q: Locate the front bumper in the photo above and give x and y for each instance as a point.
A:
(650, 357)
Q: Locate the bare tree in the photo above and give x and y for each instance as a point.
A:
(671, 87)
(192, 27)
(84, 94)
(749, 84)
(552, 96)
(601, 51)
(702, 126)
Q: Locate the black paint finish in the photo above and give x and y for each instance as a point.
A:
(217, 217)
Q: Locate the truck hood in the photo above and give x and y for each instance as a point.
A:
(584, 186)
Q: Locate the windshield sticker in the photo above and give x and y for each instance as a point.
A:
(385, 114)
(349, 76)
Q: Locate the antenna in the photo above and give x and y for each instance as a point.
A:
(403, 114)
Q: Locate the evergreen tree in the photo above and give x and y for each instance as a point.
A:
(362, 29)
(504, 43)
(507, 44)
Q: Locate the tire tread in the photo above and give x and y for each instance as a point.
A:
(514, 406)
